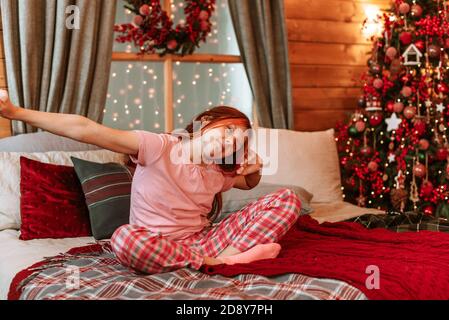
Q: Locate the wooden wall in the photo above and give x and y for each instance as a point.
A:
(327, 51)
(5, 125)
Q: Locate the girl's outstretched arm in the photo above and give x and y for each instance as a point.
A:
(75, 127)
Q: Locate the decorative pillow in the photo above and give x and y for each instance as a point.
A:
(107, 189)
(52, 202)
(309, 160)
(10, 177)
(235, 199)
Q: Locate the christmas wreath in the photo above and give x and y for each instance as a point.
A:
(152, 29)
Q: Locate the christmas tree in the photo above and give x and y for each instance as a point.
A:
(394, 149)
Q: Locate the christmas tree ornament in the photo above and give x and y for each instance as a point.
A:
(361, 102)
(409, 112)
(395, 67)
(373, 166)
(428, 210)
(426, 189)
(412, 56)
(366, 151)
(442, 88)
(376, 119)
(391, 158)
(360, 126)
(138, 21)
(404, 8)
(398, 107)
(391, 52)
(375, 68)
(424, 144)
(145, 10)
(405, 38)
(419, 170)
(416, 10)
(406, 91)
(353, 132)
(420, 127)
(441, 154)
(441, 107)
(378, 83)
(434, 51)
(390, 106)
(393, 122)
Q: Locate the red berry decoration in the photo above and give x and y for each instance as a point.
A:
(419, 170)
(420, 45)
(426, 189)
(441, 154)
(390, 106)
(429, 210)
(442, 88)
(375, 120)
(366, 151)
(420, 128)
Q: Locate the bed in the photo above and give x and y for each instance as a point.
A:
(322, 179)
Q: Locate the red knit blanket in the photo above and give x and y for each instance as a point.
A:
(381, 263)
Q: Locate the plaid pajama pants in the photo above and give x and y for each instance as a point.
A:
(263, 221)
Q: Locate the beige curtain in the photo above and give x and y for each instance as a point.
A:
(262, 38)
(56, 62)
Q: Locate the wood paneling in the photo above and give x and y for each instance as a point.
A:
(328, 54)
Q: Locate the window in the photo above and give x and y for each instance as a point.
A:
(161, 94)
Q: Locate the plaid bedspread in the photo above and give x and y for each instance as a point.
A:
(404, 222)
(93, 273)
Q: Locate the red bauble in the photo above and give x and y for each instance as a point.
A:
(204, 15)
(366, 151)
(375, 120)
(420, 128)
(434, 51)
(390, 106)
(360, 126)
(406, 91)
(378, 83)
(344, 161)
(138, 20)
(172, 44)
(405, 38)
(373, 166)
(145, 10)
(426, 189)
(398, 107)
(420, 45)
(391, 52)
(424, 144)
(419, 170)
(446, 43)
(409, 112)
(429, 210)
(416, 10)
(442, 88)
(404, 8)
(441, 154)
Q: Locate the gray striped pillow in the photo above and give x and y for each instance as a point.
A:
(107, 188)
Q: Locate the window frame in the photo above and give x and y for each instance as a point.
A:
(168, 61)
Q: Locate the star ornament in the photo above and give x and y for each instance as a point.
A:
(393, 122)
(441, 107)
(391, 158)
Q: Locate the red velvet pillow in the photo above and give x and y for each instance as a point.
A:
(52, 202)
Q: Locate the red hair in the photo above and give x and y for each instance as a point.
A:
(217, 117)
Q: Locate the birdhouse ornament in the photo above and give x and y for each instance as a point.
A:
(412, 56)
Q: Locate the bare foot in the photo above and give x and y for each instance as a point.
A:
(212, 261)
(259, 252)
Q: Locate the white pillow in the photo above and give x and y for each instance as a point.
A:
(309, 160)
(10, 177)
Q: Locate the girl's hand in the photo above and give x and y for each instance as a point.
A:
(247, 169)
(7, 109)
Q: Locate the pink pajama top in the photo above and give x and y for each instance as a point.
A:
(169, 198)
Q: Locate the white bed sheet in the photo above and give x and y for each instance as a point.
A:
(17, 255)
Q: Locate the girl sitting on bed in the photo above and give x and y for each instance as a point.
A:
(172, 202)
